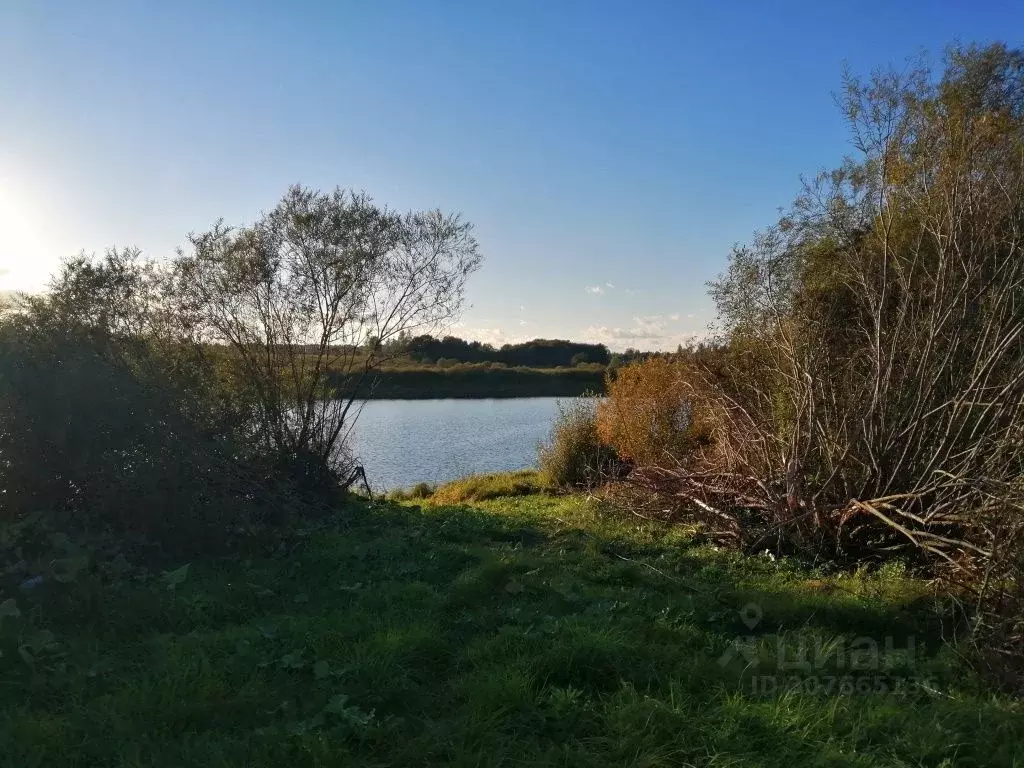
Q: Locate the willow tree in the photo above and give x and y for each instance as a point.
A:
(885, 312)
(874, 399)
(306, 301)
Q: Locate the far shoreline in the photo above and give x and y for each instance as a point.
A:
(478, 384)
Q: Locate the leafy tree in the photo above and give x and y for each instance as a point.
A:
(868, 397)
(310, 299)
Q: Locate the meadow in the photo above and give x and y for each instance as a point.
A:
(476, 628)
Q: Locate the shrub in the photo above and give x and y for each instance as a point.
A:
(574, 456)
(112, 421)
(656, 412)
(106, 435)
(196, 399)
(421, 491)
(418, 491)
(872, 406)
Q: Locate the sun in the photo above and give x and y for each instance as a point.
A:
(23, 250)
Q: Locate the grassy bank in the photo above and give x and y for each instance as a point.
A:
(525, 630)
(479, 381)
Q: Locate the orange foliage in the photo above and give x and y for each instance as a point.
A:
(656, 412)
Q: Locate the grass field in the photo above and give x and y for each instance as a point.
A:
(519, 631)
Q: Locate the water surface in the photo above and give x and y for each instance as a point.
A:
(404, 442)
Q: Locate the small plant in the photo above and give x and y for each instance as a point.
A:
(575, 456)
(418, 491)
(171, 579)
(421, 491)
(490, 486)
(563, 702)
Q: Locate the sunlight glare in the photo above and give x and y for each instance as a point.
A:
(22, 248)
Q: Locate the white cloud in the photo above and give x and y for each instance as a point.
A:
(597, 290)
(610, 285)
(657, 324)
(654, 332)
(495, 336)
(609, 335)
(644, 337)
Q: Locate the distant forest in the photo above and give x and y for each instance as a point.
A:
(539, 353)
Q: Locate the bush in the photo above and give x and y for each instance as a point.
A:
(656, 412)
(418, 491)
(112, 423)
(310, 300)
(194, 400)
(872, 405)
(111, 435)
(574, 456)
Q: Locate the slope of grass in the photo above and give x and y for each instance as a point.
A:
(534, 630)
(494, 485)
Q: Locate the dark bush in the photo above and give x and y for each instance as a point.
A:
(111, 424)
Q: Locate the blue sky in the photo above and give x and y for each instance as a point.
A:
(609, 153)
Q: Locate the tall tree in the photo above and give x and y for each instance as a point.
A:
(309, 298)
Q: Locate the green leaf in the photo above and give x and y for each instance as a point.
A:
(173, 578)
(9, 608)
(292, 660)
(66, 569)
(338, 704)
(321, 670)
(62, 542)
(41, 640)
(120, 565)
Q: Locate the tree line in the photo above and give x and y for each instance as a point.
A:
(538, 353)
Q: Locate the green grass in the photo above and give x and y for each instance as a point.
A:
(534, 630)
(524, 482)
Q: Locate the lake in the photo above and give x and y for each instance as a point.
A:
(404, 442)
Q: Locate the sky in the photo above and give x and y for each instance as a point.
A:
(609, 154)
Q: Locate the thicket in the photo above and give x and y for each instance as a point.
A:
(574, 456)
(194, 401)
(865, 398)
